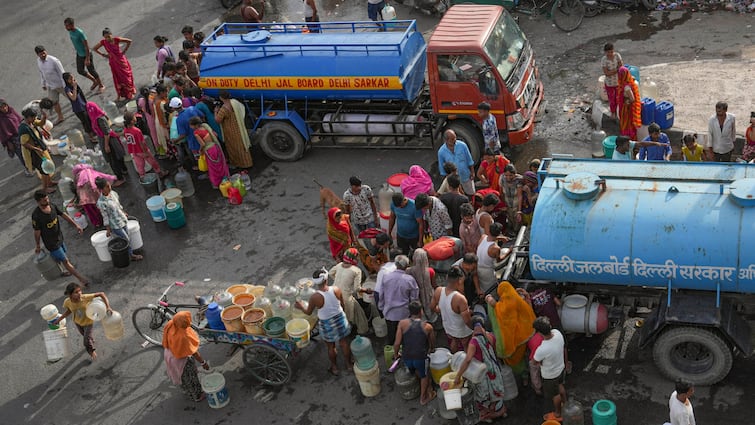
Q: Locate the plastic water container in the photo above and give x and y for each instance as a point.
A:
(380, 326)
(577, 316)
(395, 180)
(246, 180)
(635, 71)
(664, 114)
(134, 233)
(184, 182)
(231, 318)
(282, 308)
(56, 344)
(149, 183)
(388, 354)
(49, 312)
(213, 384)
(572, 413)
(440, 363)
(510, 389)
(118, 248)
(156, 207)
(173, 195)
(604, 413)
(213, 317)
(224, 186)
(96, 309)
(648, 110)
(298, 332)
(174, 213)
(364, 355)
(609, 144)
(253, 320)
(77, 138)
(46, 266)
(407, 383)
(476, 370)
(81, 220)
(369, 380)
(112, 324)
(99, 241)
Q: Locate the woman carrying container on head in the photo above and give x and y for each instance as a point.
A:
(181, 344)
(76, 304)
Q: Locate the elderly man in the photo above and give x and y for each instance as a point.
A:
(397, 290)
(456, 151)
(332, 324)
(51, 74)
(722, 132)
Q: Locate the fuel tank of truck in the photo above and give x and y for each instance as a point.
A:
(344, 61)
(645, 224)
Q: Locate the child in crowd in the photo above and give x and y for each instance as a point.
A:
(450, 168)
(748, 151)
(534, 165)
(137, 147)
(691, 151)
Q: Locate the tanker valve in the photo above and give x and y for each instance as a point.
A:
(602, 184)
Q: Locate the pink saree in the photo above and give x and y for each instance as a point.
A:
(123, 78)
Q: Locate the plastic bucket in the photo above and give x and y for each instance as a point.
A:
(245, 301)
(174, 212)
(118, 249)
(56, 344)
(380, 326)
(134, 233)
(253, 319)
(609, 144)
(213, 384)
(452, 398)
(298, 332)
(237, 289)
(99, 242)
(173, 195)
(231, 317)
(156, 207)
(395, 180)
(49, 312)
(149, 183)
(604, 413)
(46, 266)
(275, 327)
(369, 380)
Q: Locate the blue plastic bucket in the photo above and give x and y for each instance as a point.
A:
(156, 207)
(213, 384)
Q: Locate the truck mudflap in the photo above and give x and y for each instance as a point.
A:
(684, 309)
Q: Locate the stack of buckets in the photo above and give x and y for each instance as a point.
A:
(100, 240)
(167, 206)
(56, 338)
(365, 366)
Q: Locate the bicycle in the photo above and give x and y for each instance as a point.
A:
(567, 15)
(150, 320)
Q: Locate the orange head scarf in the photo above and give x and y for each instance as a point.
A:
(626, 78)
(179, 337)
(515, 318)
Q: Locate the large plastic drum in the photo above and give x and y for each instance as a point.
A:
(395, 180)
(578, 316)
(156, 207)
(135, 234)
(99, 242)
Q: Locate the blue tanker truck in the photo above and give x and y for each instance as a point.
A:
(349, 85)
(677, 238)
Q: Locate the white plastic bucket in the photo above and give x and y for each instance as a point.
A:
(99, 242)
(452, 398)
(298, 332)
(134, 234)
(369, 380)
(156, 207)
(52, 146)
(49, 312)
(380, 326)
(173, 195)
(213, 384)
(56, 344)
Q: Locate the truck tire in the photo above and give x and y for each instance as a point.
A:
(470, 135)
(281, 141)
(650, 4)
(694, 354)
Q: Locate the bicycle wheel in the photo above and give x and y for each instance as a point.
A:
(149, 323)
(267, 364)
(568, 14)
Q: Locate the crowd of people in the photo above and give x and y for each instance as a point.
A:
(625, 106)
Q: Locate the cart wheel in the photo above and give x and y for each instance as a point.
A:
(267, 364)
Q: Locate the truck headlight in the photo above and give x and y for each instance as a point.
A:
(515, 121)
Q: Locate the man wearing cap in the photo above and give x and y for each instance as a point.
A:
(51, 73)
(457, 151)
(347, 277)
(185, 133)
(332, 324)
(454, 310)
(408, 222)
(489, 127)
(435, 213)
(360, 205)
(397, 290)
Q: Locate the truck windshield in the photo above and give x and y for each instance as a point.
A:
(505, 45)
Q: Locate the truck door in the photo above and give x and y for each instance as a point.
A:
(464, 81)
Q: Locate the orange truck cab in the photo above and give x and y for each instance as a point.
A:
(477, 54)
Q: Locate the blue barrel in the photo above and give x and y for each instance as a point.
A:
(664, 114)
(648, 110)
(213, 317)
(175, 214)
(604, 413)
(635, 71)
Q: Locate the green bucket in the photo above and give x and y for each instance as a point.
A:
(609, 144)
(275, 327)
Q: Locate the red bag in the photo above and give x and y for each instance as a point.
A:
(440, 249)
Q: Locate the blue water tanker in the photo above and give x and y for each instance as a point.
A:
(672, 225)
(346, 60)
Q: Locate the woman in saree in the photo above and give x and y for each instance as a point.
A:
(491, 169)
(123, 78)
(339, 233)
(512, 320)
(110, 145)
(425, 277)
(630, 106)
(181, 344)
(230, 116)
(217, 167)
(35, 150)
(489, 392)
(419, 181)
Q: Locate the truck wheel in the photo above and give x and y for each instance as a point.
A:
(694, 354)
(281, 141)
(470, 135)
(650, 4)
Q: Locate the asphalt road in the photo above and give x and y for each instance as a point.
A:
(281, 234)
